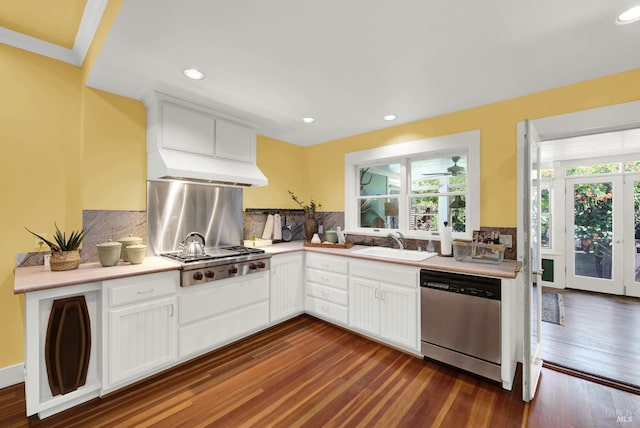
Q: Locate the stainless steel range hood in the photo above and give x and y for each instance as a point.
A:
(166, 164)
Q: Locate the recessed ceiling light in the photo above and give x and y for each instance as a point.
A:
(629, 16)
(308, 120)
(193, 74)
(389, 117)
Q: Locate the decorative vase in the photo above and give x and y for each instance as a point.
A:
(310, 226)
(64, 260)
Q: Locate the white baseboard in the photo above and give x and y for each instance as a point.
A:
(11, 375)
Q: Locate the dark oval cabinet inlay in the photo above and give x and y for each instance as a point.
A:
(68, 344)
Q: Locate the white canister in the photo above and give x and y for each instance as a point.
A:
(137, 253)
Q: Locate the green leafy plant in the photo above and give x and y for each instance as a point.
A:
(62, 243)
(310, 208)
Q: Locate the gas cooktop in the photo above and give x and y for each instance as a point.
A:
(220, 263)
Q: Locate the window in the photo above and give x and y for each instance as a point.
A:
(415, 187)
(545, 218)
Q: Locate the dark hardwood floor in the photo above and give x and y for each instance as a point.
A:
(601, 336)
(306, 372)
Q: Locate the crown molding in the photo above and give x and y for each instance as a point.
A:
(91, 17)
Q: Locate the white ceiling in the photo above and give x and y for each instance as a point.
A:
(348, 63)
(602, 147)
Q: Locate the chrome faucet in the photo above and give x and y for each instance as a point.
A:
(399, 239)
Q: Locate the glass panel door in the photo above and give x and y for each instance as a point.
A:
(593, 222)
(529, 192)
(631, 236)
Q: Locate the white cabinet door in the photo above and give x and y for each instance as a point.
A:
(383, 302)
(142, 338)
(364, 305)
(398, 315)
(187, 129)
(287, 286)
(235, 141)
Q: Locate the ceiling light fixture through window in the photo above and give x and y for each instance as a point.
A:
(629, 16)
(308, 120)
(193, 74)
(389, 117)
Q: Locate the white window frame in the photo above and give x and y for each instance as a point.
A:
(447, 145)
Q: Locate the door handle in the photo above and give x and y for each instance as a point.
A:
(537, 272)
(618, 241)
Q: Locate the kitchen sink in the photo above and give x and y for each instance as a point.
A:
(397, 254)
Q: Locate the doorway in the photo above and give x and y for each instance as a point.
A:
(597, 204)
(620, 117)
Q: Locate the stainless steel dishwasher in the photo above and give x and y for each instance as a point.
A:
(460, 321)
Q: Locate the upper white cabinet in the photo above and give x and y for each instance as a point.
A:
(179, 125)
(187, 129)
(235, 141)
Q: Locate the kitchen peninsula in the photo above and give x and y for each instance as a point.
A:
(141, 306)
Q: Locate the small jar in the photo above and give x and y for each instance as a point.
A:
(126, 242)
(109, 253)
(137, 253)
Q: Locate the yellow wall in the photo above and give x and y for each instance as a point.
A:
(39, 169)
(115, 167)
(64, 148)
(285, 167)
(497, 123)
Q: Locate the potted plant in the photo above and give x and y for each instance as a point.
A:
(310, 223)
(64, 251)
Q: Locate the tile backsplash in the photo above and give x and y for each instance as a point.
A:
(114, 224)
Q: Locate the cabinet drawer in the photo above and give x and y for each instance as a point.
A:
(324, 309)
(215, 298)
(328, 278)
(328, 263)
(386, 272)
(139, 288)
(328, 293)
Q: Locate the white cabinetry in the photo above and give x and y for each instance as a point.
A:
(235, 141)
(327, 287)
(217, 313)
(140, 326)
(38, 393)
(187, 129)
(195, 129)
(383, 302)
(287, 286)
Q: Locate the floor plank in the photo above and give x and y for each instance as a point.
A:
(601, 336)
(308, 373)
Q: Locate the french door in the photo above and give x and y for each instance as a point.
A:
(631, 240)
(529, 243)
(594, 209)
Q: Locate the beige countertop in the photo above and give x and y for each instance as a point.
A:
(507, 269)
(35, 278)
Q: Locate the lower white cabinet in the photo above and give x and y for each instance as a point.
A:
(140, 327)
(327, 285)
(383, 302)
(38, 392)
(216, 313)
(287, 286)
